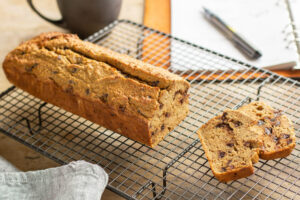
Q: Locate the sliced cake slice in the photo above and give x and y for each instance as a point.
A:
(231, 143)
(279, 137)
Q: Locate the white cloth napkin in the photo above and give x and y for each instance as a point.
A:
(78, 180)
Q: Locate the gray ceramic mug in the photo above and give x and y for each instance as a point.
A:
(84, 17)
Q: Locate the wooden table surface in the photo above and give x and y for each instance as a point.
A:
(19, 23)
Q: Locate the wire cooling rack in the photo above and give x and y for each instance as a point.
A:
(177, 168)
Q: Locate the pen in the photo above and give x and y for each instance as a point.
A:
(237, 40)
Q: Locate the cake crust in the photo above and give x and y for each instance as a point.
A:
(128, 96)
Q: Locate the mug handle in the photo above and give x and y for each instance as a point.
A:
(59, 22)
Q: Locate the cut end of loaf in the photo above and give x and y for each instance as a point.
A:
(279, 136)
(230, 145)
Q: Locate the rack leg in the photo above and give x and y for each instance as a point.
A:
(31, 131)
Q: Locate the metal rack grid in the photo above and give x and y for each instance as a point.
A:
(177, 168)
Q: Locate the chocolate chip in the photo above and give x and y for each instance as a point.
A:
(230, 144)
(53, 37)
(54, 72)
(276, 139)
(224, 125)
(224, 116)
(277, 113)
(74, 70)
(259, 108)
(161, 105)
(149, 97)
(103, 98)
(178, 92)
(285, 136)
(277, 123)
(221, 154)
(162, 127)
(30, 68)
(268, 131)
(122, 108)
(224, 169)
(181, 100)
(260, 122)
(155, 83)
(237, 123)
(87, 91)
(69, 89)
(71, 82)
(289, 141)
(221, 125)
(113, 114)
(248, 144)
(167, 114)
(152, 133)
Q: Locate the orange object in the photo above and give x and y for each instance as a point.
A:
(157, 15)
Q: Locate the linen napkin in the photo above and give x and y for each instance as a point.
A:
(77, 180)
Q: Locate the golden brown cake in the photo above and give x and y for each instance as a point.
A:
(231, 143)
(279, 137)
(236, 139)
(133, 98)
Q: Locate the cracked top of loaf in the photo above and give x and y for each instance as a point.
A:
(92, 71)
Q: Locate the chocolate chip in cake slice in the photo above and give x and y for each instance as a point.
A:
(224, 116)
(276, 139)
(69, 89)
(260, 122)
(285, 136)
(161, 105)
(167, 114)
(74, 70)
(277, 123)
(54, 72)
(30, 68)
(162, 127)
(87, 91)
(277, 113)
(181, 100)
(248, 144)
(289, 141)
(154, 83)
(122, 108)
(268, 131)
(237, 123)
(221, 154)
(104, 97)
(230, 144)
(71, 82)
(224, 125)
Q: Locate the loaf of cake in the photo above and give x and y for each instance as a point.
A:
(236, 139)
(279, 137)
(231, 143)
(128, 96)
